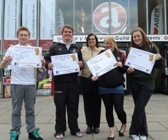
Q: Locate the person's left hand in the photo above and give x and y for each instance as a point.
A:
(158, 56)
(94, 78)
(43, 62)
(119, 64)
(80, 64)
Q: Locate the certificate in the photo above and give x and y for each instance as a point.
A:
(65, 64)
(102, 63)
(26, 56)
(141, 60)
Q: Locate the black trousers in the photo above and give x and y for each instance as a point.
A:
(66, 97)
(92, 102)
(116, 100)
(141, 90)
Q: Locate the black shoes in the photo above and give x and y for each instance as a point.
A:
(120, 134)
(89, 130)
(110, 138)
(96, 130)
(34, 135)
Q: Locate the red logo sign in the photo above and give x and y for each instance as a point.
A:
(166, 37)
(157, 20)
(102, 19)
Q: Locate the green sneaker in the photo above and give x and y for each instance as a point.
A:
(13, 135)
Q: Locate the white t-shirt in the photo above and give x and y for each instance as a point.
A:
(21, 75)
(67, 45)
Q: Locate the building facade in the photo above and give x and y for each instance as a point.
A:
(45, 19)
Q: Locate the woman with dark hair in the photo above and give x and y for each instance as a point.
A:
(92, 100)
(142, 85)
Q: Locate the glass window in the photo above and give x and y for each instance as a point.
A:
(119, 18)
(1, 4)
(101, 19)
(67, 10)
(132, 15)
(83, 17)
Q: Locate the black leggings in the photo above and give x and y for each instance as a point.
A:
(117, 100)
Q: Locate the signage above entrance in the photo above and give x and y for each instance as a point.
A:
(118, 38)
(116, 21)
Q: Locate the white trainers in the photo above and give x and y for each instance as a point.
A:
(134, 137)
(143, 137)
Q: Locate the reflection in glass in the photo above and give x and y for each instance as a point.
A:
(66, 9)
(83, 17)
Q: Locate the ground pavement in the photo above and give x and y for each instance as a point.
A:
(156, 110)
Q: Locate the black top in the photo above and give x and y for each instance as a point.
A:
(114, 77)
(59, 49)
(142, 75)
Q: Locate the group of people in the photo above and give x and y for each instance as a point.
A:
(109, 87)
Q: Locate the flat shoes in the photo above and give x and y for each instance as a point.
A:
(89, 130)
(96, 130)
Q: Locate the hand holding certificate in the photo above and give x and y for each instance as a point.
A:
(141, 60)
(102, 63)
(26, 56)
(64, 64)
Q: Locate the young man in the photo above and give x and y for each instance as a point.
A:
(66, 86)
(22, 89)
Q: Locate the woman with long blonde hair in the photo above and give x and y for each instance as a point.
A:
(111, 89)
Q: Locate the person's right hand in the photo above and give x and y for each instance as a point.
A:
(158, 56)
(8, 59)
(50, 66)
(94, 78)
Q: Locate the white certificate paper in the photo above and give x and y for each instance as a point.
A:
(65, 64)
(141, 60)
(102, 63)
(26, 56)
